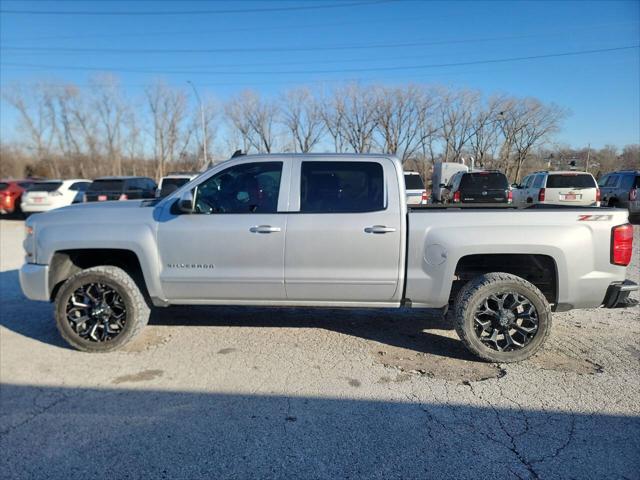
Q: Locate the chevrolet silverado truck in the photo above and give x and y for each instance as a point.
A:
(323, 231)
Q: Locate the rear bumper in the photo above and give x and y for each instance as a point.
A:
(34, 281)
(618, 295)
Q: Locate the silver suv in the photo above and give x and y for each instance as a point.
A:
(620, 189)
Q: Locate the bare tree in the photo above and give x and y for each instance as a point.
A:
(456, 111)
(168, 109)
(302, 116)
(111, 109)
(358, 109)
(254, 119)
(485, 130)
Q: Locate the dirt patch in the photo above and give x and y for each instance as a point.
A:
(399, 378)
(434, 366)
(226, 351)
(138, 377)
(150, 337)
(561, 362)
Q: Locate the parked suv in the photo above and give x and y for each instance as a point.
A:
(620, 189)
(11, 194)
(174, 181)
(490, 186)
(120, 188)
(416, 193)
(558, 188)
(45, 196)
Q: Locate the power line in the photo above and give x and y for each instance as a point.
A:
(347, 70)
(194, 12)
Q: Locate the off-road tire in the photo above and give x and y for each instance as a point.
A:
(137, 308)
(478, 289)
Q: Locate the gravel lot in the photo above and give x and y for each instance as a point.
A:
(295, 393)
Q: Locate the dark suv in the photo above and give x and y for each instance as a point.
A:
(490, 186)
(120, 188)
(621, 189)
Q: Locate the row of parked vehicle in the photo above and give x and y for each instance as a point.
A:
(454, 184)
(32, 196)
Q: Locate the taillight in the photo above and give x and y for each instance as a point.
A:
(633, 194)
(597, 194)
(509, 196)
(541, 195)
(621, 244)
(425, 198)
(456, 197)
(123, 196)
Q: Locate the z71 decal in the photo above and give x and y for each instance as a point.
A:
(594, 218)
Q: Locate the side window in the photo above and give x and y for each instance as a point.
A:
(150, 184)
(79, 186)
(245, 188)
(527, 181)
(612, 181)
(603, 181)
(341, 187)
(627, 182)
(537, 183)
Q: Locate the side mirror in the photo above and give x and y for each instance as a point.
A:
(515, 185)
(442, 185)
(185, 202)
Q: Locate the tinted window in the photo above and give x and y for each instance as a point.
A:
(79, 186)
(484, 181)
(627, 182)
(537, 183)
(603, 181)
(570, 181)
(328, 187)
(246, 188)
(45, 187)
(170, 185)
(413, 182)
(149, 184)
(106, 186)
(25, 184)
(3, 186)
(612, 181)
(637, 184)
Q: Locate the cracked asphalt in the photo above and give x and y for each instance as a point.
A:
(244, 393)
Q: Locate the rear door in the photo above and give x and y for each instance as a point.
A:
(570, 188)
(232, 246)
(345, 231)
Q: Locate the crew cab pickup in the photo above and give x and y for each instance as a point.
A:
(323, 231)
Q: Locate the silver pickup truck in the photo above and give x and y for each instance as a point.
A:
(323, 231)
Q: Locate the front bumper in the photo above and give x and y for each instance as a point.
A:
(34, 281)
(618, 295)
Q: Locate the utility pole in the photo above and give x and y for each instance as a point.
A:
(588, 157)
(204, 125)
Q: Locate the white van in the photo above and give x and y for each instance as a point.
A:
(558, 188)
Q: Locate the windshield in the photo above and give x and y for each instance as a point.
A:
(45, 187)
(570, 180)
(106, 186)
(170, 185)
(484, 181)
(413, 182)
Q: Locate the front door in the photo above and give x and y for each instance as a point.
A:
(232, 246)
(344, 241)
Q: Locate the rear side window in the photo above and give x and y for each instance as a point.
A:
(341, 187)
(612, 181)
(45, 187)
(637, 184)
(106, 186)
(79, 186)
(170, 185)
(570, 181)
(537, 183)
(484, 181)
(627, 182)
(413, 182)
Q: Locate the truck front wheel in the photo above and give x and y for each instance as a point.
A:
(100, 309)
(501, 317)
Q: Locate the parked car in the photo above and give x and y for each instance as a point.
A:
(120, 188)
(323, 231)
(11, 192)
(416, 193)
(479, 187)
(442, 173)
(173, 181)
(568, 188)
(50, 194)
(621, 189)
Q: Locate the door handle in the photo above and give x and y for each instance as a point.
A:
(379, 229)
(264, 229)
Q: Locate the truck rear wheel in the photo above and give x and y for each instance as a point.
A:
(100, 309)
(502, 317)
